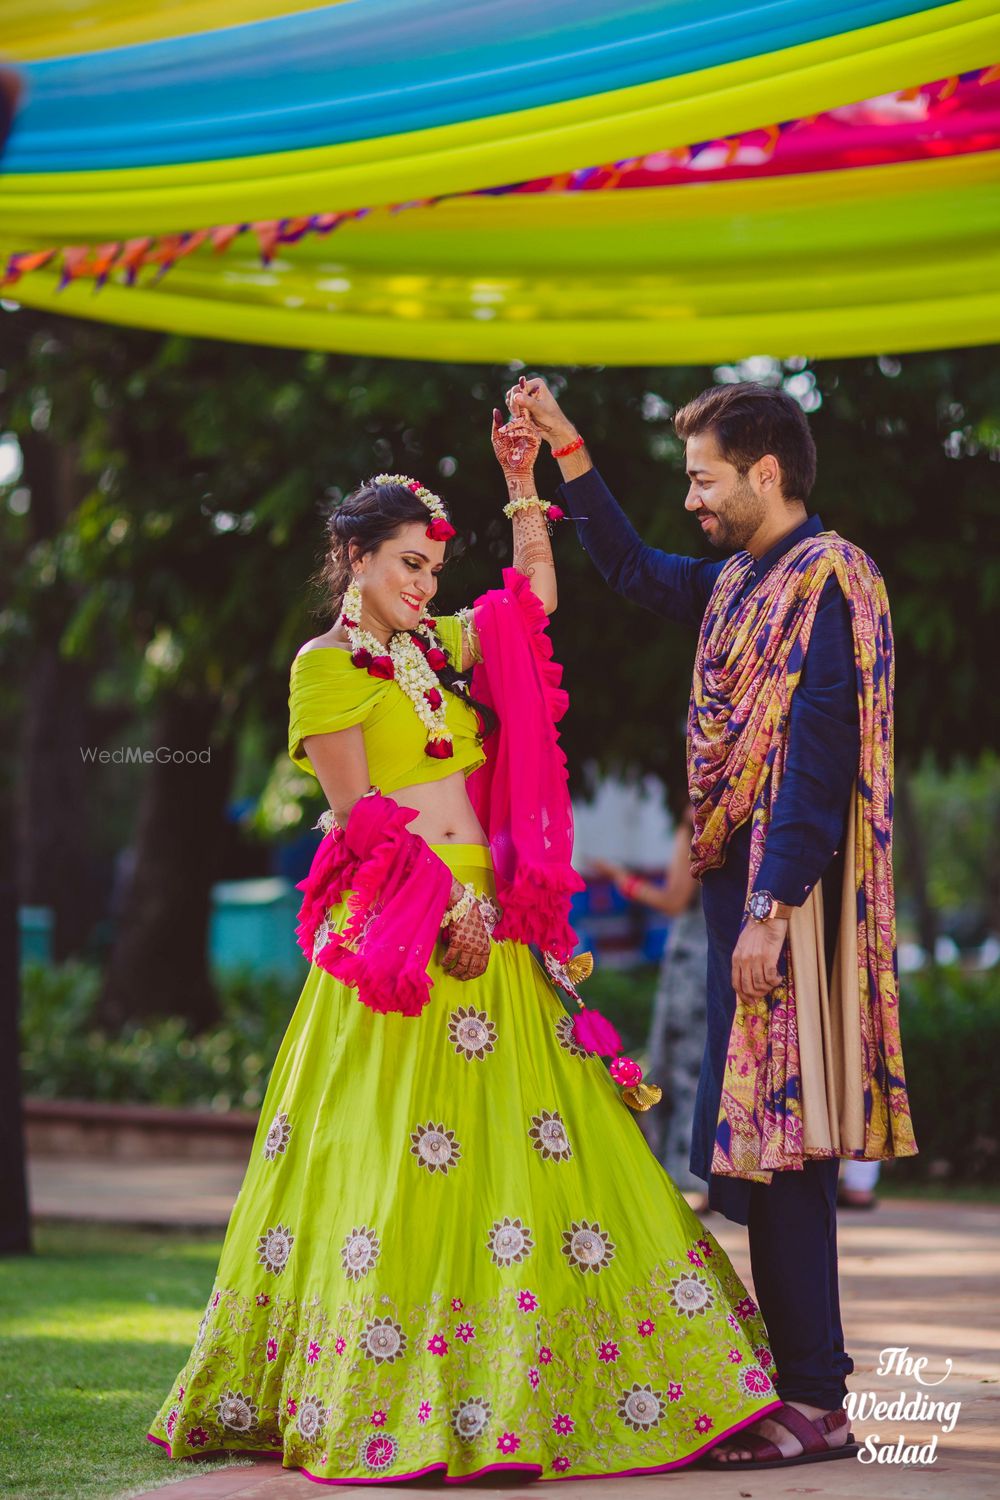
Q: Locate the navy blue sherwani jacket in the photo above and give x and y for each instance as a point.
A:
(805, 837)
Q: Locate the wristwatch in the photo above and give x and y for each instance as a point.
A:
(764, 907)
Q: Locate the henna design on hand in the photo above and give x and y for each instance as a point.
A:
(525, 562)
(468, 949)
(516, 445)
(531, 542)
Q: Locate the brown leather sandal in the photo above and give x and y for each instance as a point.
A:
(809, 1431)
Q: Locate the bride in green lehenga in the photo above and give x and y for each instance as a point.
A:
(452, 1250)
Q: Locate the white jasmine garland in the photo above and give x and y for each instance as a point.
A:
(532, 502)
(440, 528)
(410, 669)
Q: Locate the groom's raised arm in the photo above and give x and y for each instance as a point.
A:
(674, 587)
(670, 585)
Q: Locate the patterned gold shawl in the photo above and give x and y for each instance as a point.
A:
(802, 1042)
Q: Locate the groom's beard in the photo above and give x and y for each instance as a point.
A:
(737, 518)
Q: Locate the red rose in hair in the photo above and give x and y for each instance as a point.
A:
(439, 749)
(440, 530)
(436, 659)
(433, 698)
(382, 667)
(361, 657)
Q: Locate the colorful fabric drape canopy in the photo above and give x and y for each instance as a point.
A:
(137, 129)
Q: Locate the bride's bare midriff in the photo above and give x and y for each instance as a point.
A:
(444, 812)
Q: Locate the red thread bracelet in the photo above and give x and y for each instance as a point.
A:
(570, 448)
(630, 885)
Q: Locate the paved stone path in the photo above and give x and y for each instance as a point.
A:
(917, 1273)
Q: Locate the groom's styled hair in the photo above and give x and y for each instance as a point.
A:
(749, 420)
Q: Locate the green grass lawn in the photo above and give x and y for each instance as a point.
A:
(93, 1328)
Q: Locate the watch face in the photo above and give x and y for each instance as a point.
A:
(759, 905)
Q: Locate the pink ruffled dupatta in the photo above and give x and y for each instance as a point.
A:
(521, 794)
(398, 891)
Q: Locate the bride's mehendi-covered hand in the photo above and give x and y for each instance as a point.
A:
(533, 547)
(467, 946)
(516, 444)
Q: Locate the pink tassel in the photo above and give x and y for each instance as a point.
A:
(596, 1033)
(626, 1072)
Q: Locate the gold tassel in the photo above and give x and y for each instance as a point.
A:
(580, 968)
(642, 1096)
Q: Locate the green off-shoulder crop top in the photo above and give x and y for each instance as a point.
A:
(328, 692)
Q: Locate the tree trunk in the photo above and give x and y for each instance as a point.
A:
(159, 962)
(54, 866)
(53, 828)
(15, 1225)
(916, 860)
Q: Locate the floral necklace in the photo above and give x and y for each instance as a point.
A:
(413, 660)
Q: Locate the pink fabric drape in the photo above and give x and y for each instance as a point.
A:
(398, 891)
(521, 794)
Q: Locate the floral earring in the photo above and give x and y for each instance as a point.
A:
(350, 609)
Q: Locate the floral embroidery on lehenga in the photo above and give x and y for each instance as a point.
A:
(359, 1252)
(471, 1032)
(471, 1418)
(369, 1322)
(588, 1247)
(378, 1453)
(312, 1417)
(274, 1248)
(277, 1137)
(236, 1411)
(566, 1039)
(640, 1407)
(435, 1147)
(753, 1381)
(509, 1241)
(383, 1341)
(533, 1345)
(548, 1136)
(691, 1294)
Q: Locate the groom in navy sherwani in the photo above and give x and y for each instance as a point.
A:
(761, 508)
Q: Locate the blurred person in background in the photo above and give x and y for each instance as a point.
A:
(677, 1028)
(857, 1184)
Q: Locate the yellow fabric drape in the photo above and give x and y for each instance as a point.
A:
(836, 263)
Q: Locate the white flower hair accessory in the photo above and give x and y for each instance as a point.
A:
(440, 529)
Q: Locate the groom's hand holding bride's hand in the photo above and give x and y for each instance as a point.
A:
(532, 398)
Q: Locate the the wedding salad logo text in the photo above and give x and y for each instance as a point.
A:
(915, 1406)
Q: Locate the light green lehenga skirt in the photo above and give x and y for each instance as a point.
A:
(453, 1250)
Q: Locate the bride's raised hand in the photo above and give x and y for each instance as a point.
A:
(516, 444)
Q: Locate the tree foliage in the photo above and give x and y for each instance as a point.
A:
(205, 468)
